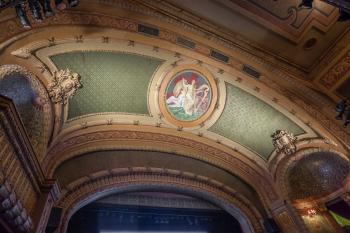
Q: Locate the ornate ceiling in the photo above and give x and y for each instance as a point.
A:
(121, 82)
(144, 95)
(298, 36)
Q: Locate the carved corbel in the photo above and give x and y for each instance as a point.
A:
(63, 86)
(284, 142)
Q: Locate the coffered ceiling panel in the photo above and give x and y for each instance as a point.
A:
(297, 36)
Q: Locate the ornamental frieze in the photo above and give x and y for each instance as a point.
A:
(217, 156)
(337, 72)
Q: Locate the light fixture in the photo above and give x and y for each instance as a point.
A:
(311, 212)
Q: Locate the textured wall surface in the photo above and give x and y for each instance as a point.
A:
(316, 175)
(15, 174)
(250, 122)
(18, 89)
(112, 82)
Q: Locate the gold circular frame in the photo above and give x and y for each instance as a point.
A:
(162, 95)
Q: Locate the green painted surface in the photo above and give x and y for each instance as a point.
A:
(342, 221)
(250, 121)
(112, 82)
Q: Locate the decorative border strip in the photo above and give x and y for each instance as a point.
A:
(102, 139)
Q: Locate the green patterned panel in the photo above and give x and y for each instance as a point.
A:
(112, 82)
(250, 121)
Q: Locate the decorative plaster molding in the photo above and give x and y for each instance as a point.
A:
(100, 184)
(284, 77)
(336, 72)
(233, 43)
(102, 139)
(63, 86)
(284, 142)
(314, 111)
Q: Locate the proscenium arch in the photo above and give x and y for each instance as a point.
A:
(87, 189)
(131, 137)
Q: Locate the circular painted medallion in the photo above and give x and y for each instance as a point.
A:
(188, 96)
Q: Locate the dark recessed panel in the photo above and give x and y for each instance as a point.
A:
(251, 72)
(148, 30)
(186, 43)
(219, 56)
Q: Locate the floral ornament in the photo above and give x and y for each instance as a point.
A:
(284, 142)
(63, 86)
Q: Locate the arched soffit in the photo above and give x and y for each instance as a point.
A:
(92, 162)
(122, 80)
(32, 102)
(243, 117)
(173, 34)
(87, 189)
(134, 137)
(312, 173)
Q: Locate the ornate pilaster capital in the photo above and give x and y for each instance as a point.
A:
(64, 85)
(284, 142)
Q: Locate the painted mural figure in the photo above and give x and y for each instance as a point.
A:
(190, 96)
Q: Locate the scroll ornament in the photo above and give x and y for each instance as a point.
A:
(284, 142)
(63, 86)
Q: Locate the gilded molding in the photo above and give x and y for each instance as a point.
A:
(63, 86)
(327, 123)
(108, 139)
(233, 43)
(284, 142)
(313, 111)
(87, 189)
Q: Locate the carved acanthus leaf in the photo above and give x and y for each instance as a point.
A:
(63, 86)
(284, 142)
